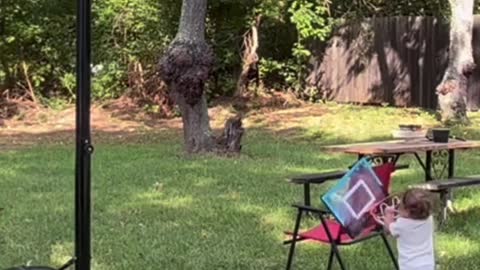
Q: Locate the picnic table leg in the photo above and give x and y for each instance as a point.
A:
(451, 163)
(446, 195)
(451, 172)
(428, 166)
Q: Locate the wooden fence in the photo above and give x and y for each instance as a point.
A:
(395, 60)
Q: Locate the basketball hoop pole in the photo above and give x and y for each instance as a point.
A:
(84, 148)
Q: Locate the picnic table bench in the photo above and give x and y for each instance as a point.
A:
(444, 187)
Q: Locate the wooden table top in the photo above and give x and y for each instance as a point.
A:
(401, 146)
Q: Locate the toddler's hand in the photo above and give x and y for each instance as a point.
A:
(390, 212)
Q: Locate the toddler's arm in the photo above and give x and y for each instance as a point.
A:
(389, 218)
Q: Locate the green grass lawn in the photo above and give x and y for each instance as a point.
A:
(155, 208)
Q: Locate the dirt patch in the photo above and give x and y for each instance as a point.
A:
(285, 122)
(261, 101)
(113, 123)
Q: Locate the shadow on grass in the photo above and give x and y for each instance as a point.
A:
(192, 236)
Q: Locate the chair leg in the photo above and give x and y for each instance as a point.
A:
(294, 240)
(337, 254)
(390, 251)
(330, 259)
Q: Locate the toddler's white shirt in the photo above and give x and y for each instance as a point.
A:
(415, 243)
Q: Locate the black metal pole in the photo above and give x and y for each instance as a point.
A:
(83, 143)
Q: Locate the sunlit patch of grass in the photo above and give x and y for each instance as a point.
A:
(61, 253)
(172, 202)
(453, 246)
(456, 251)
(354, 124)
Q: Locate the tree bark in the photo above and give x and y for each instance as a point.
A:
(185, 68)
(232, 135)
(452, 90)
(197, 134)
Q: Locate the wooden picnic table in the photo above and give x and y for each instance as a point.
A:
(439, 156)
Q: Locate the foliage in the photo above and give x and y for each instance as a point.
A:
(312, 24)
(41, 34)
(128, 31)
(279, 75)
(227, 21)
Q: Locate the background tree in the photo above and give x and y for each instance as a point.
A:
(250, 59)
(185, 68)
(452, 90)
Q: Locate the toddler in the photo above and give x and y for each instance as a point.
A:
(413, 230)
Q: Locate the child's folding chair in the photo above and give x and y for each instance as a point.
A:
(332, 233)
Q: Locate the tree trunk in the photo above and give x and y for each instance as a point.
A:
(197, 134)
(452, 91)
(185, 67)
(232, 135)
(250, 59)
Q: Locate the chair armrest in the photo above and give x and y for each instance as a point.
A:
(311, 209)
(320, 178)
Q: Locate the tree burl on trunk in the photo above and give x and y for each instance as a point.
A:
(186, 67)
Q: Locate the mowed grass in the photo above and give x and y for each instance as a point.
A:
(155, 208)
